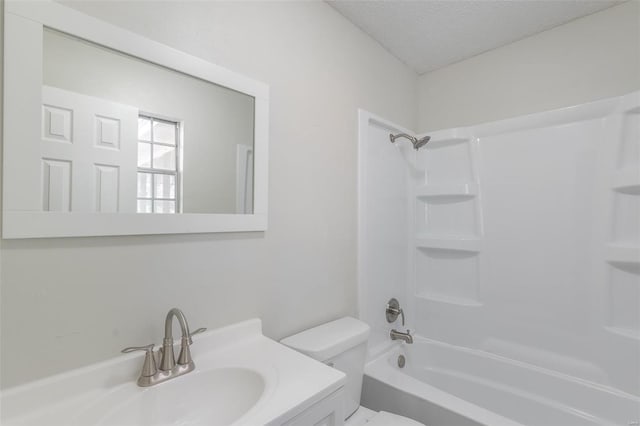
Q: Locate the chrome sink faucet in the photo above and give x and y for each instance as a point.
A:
(169, 369)
(168, 360)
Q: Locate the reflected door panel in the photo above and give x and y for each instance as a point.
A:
(87, 153)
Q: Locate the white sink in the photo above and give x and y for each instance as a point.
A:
(242, 378)
(221, 397)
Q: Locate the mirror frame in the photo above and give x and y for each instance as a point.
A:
(23, 217)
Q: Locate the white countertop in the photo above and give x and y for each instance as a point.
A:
(87, 396)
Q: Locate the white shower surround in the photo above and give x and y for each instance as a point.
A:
(517, 239)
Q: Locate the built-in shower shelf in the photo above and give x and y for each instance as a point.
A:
(448, 137)
(622, 254)
(451, 300)
(627, 181)
(449, 191)
(624, 332)
(470, 244)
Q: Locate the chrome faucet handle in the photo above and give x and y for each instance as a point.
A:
(149, 367)
(198, 331)
(185, 353)
(393, 311)
(184, 358)
(148, 347)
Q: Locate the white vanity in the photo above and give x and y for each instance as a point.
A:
(241, 378)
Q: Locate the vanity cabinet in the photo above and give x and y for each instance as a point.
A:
(327, 412)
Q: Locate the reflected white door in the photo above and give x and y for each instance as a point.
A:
(88, 153)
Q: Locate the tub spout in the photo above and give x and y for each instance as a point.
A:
(399, 335)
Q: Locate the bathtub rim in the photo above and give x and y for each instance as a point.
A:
(378, 351)
(379, 368)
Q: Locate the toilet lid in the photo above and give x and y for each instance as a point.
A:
(388, 419)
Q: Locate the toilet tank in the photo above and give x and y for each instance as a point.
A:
(341, 344)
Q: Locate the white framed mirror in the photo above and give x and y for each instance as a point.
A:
(109, 133)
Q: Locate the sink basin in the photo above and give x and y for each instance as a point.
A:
(223, 396)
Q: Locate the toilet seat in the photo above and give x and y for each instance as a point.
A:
(389, 419)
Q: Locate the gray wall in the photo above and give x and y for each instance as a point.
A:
(590, 58)
(72, 302)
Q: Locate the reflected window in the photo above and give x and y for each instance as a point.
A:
(158, 174)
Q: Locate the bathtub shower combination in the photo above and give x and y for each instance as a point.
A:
(514, 248)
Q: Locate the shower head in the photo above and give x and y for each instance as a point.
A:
(421, 142)
(417, 143)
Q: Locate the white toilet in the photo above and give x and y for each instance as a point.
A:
(342, 344)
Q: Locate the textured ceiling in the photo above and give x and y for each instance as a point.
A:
(430, 34)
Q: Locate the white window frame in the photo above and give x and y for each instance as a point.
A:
(153, 171)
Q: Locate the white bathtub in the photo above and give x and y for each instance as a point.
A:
(443, 385)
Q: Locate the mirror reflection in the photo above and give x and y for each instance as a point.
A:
(120, 134)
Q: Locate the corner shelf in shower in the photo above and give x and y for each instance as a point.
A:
(624, 332)
(447, 191)
(618, 253)
(448, 137)
(468, 244)
(627, 181)
(450, 300)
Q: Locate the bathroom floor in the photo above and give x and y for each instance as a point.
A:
(360, 417)
(365, 416)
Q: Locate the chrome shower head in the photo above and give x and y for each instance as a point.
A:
(417, 143)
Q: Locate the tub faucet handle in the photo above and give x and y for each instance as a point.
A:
(393, 311)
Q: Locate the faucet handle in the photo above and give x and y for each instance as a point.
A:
(149, 367)
(198, 331)
(185, 353)
(394, 310)
(147, 348)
